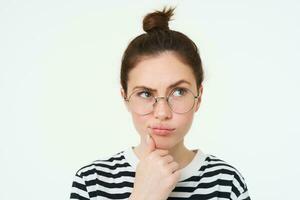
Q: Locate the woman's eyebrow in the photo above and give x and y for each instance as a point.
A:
(169, 87)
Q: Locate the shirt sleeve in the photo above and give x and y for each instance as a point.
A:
(239, 188)
(79, 189)
(244, 196)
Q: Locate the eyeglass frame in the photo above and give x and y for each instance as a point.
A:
(157, 98)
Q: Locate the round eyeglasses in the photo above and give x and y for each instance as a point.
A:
(180, 101)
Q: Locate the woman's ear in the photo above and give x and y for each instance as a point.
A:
(200, 92)
(123, 94)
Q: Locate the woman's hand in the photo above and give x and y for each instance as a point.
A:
(156, 174)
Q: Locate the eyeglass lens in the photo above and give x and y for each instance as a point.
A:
(180, 100)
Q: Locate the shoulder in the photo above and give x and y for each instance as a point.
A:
(99, 176)
(214, 163)
(225, 174)
(104, 165)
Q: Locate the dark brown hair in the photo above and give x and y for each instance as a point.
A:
(158, 39)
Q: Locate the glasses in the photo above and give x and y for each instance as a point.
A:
(180, 101)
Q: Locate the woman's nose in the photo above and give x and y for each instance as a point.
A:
(161, 109)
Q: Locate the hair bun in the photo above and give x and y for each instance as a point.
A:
(158, 20)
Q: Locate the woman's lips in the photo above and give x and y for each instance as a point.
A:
(161, 131)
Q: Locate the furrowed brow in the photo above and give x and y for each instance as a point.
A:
(178, 83)
(169, 87)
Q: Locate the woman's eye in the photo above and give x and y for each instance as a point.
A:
(179, 92)
(144, 94)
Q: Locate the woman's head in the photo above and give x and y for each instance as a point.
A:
(165, 64)
(158, 39)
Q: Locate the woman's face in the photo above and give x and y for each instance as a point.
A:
(158, 73)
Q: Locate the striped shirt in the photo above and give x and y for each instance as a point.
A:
(205, 177)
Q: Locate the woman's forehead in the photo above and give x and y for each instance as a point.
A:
(160, 81)
(163, 70)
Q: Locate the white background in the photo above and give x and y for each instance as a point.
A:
(60, 105)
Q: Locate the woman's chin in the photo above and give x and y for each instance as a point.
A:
(166, 145)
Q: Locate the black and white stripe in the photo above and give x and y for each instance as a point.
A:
(113, 178)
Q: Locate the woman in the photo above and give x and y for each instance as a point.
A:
(161, 78)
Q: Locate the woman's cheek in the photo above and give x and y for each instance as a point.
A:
(184, 123)
(140, 123)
